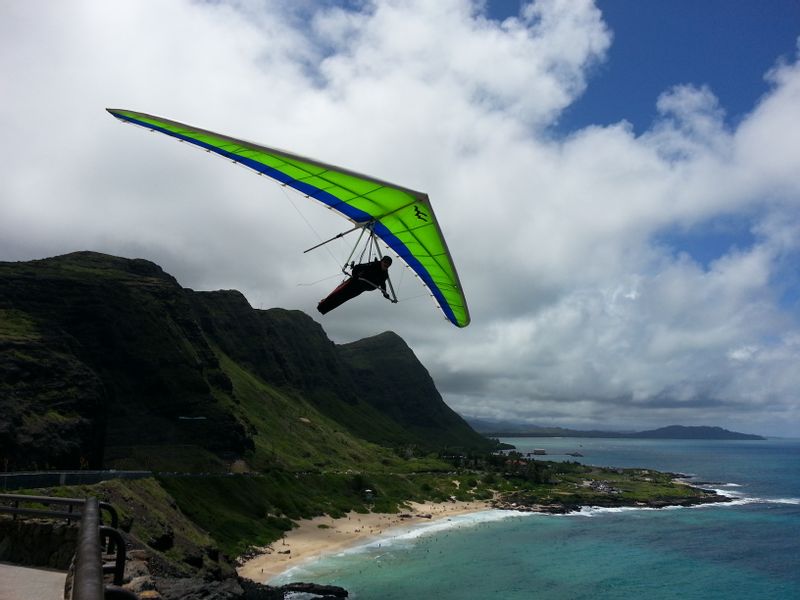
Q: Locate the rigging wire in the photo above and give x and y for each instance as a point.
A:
(371, 246)
(307, 222)
(335, 275)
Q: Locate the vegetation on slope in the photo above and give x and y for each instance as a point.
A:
(187, 516)
(290, 433)
(108, 362)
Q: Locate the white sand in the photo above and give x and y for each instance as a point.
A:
(309, 540)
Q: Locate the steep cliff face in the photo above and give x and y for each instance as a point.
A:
(392, 380)
(290, 350)
(52, 406)
(128, 342)
(284, 347)
(110, 361)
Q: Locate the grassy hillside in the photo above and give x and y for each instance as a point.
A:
(289, 432)
(109, 362)
(395, 383)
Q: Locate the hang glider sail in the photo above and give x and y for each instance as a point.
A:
(402, 218)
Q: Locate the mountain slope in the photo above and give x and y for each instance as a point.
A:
(393, 381)
(290, 350)
(109, 362)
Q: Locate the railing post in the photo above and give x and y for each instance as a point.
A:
(88, 581)
(112, 512)
(115, 541)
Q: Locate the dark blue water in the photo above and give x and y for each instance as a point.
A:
(747, 549)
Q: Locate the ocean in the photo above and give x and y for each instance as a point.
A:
(748, 549)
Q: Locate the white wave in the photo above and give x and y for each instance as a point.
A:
(405, 534)
(300, 596)
(594, 511)
(795, 501)
(289, 575)
(399, 536)
(727, 493)
(736, 499)
(740, 499)
(752, 500)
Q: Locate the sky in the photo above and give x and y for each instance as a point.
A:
(618, 181)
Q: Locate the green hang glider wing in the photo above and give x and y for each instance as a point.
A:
(402, 218)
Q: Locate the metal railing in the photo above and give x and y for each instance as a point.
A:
(94, 539)
(17, 480)
(88, 578)
(10, 504)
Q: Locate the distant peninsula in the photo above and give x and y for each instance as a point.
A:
(672, 432)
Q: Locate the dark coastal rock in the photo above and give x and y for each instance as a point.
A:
(606, 500)
(212, 585)
(164, 540)
(194, 588)
(259, 591)
(143, 583)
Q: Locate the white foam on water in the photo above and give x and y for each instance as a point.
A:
(739, 499)
(595, 511)
(300, 596)
(418, 530)
(398, 536)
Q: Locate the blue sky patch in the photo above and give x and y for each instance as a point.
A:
(710, 240)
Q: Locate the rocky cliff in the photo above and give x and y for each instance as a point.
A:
(394, 383)
(106, 361)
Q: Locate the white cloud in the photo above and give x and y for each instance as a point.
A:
(580, 315)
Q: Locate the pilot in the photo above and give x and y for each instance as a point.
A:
(365, 277)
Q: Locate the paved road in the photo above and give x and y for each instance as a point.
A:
(26, 583)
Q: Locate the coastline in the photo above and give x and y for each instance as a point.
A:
(324, 535)
(320, 536)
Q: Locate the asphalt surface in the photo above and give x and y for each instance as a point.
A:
(27, 583)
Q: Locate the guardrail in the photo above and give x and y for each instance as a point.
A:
(86, 578)
(17, 480)
(10, 504)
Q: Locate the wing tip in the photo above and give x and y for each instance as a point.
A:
(117, 113)
(460, 323)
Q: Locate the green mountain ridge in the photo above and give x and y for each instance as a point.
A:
(108, 362)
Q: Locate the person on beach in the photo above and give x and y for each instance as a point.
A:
(365, 277)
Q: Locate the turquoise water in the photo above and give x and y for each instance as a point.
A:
(749, 548)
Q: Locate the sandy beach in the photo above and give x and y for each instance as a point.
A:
(324, 535)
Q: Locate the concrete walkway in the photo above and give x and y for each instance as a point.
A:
(28, 583)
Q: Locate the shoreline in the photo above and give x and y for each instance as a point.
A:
(323, 536)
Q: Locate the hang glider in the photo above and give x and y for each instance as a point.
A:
(402, 218)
